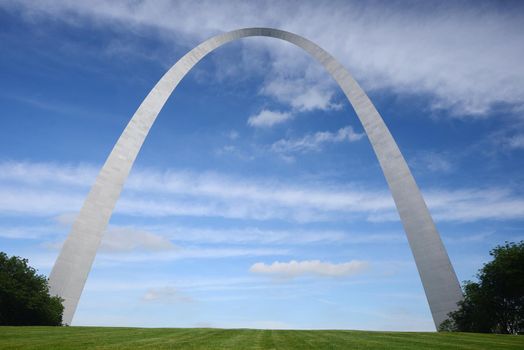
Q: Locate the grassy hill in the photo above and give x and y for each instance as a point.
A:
(179, 338)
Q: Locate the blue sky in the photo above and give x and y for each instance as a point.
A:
(256, 200)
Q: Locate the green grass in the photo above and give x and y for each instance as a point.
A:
(197, 338)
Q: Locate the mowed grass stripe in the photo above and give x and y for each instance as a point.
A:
(462, 340)
(102, 338)
(146, 339)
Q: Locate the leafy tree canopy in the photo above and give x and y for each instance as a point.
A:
(494, 304)
(24, 295)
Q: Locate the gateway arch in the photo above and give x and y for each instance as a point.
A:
(69, 274)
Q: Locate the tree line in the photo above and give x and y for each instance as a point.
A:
(495, 302)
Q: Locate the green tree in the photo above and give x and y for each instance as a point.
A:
(24, 295)
(494, 304)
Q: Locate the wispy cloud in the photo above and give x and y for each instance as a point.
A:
(233, 135)
(27, 231)
(475, 204)
(125, 239)
(435, 49)
(53, 190)
(510, 140)
(260, 236)
(119, 239)
(256, 236)
(470, 238)
(267, 118)
(196, 252)
(301, 94)
(165, 295)
(49, 173)
(314, 142)
(46, 255)
(165, 237)
(309, 267)
(133, 243)
(516, 142)
(432, 162)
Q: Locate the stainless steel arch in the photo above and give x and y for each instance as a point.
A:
(72, 266)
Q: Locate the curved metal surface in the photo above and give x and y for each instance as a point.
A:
(72, 266)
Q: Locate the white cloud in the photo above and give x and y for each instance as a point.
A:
(65, 219)
(125, 239)
(212, 288)
(15, 200)
(432, 162)
(309, 267)
(314, 142)
(196, 252)
(193, 284)
(475, 204)
(254, 235)
(470, 238)
(275, 237)
(267, 118)
(234, 151)
(26, 232)
(233, 135)
(118, 239)
(160, 237)
(466, 58)
(131, 254)
(509, 137)
(152, 193)
(38, 173)
(191, 194)
(302, 95)
(165, 295)
(515, 142)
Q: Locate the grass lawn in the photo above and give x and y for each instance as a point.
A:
(180, 338)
